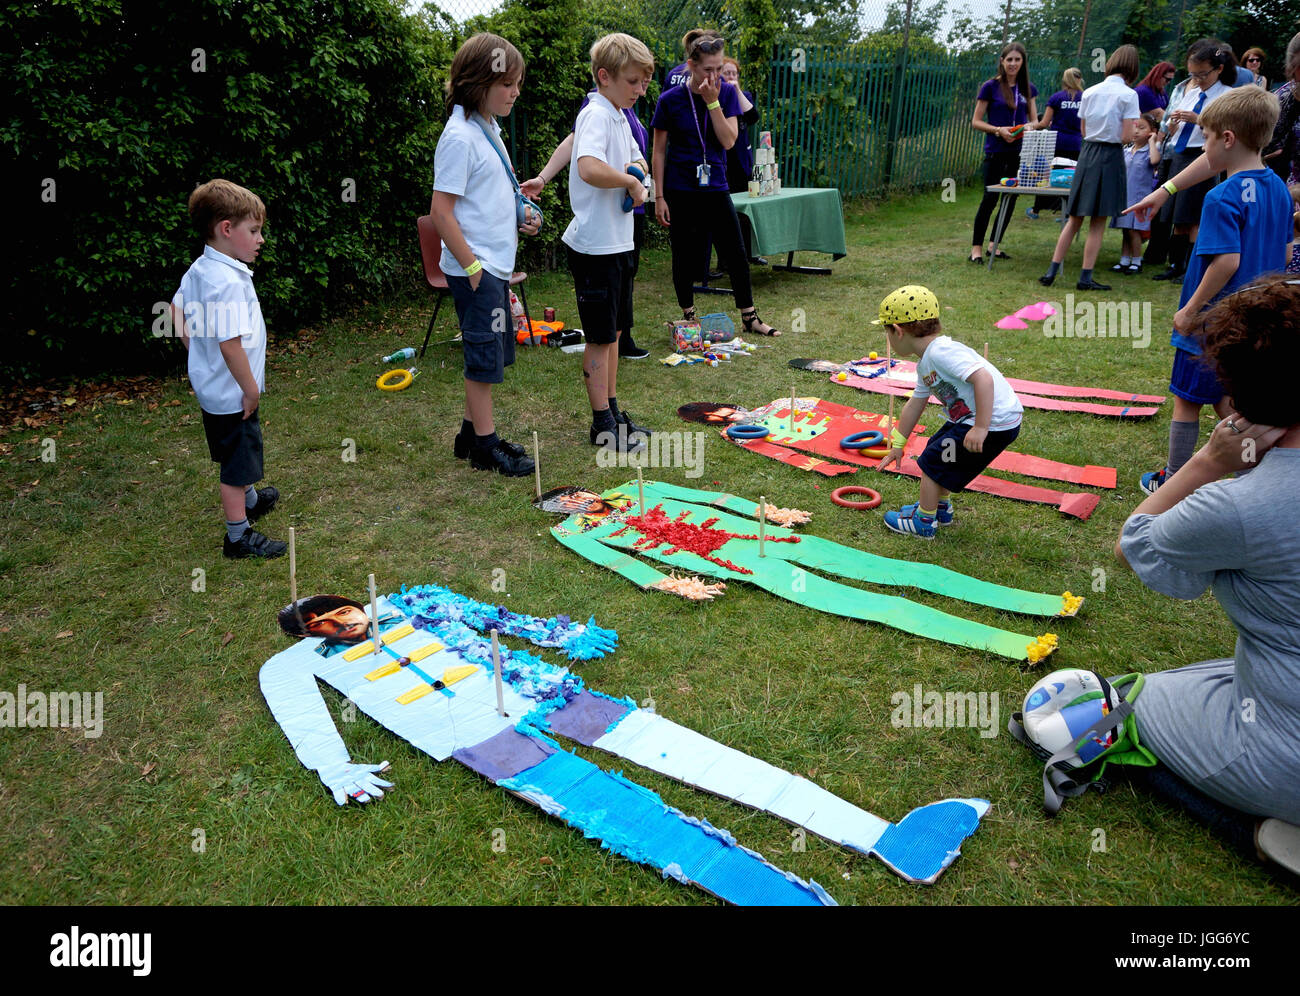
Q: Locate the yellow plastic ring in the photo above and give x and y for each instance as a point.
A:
(403, 381)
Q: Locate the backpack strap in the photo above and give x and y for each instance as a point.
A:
(496, 144)
(1060, 780)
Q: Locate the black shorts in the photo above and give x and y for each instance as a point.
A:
(950, 465)
(603, 285)
(235, 442)
(486, 327)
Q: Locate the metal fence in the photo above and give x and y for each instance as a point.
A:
(876, 96)
(872, 121)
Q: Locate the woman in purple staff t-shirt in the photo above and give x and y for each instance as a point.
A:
(694, 125)
(1007, 101)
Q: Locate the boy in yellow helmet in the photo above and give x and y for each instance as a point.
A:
(984, 413)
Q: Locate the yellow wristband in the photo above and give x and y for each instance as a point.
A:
(473, 268)
(1169, 187)
(714, 106)
(897, 439)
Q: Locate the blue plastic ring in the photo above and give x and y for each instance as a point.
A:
(749, 431)
(862, 440)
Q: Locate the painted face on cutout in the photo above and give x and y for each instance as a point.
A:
(346, 624)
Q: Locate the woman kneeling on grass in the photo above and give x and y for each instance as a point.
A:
(1231, 728)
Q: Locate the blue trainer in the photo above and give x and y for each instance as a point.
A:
(910, 523)
(943, 516)
(1151, 482)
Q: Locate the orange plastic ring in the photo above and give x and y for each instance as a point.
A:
(838, 494)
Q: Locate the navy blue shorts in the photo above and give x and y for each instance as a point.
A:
(486, 327)
(1193, 380)
(950, 465)
(603, 285)
(235, 442)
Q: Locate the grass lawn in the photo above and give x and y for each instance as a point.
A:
(100, 549)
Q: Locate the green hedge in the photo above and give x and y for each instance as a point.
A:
(330, 110)
(120, 108)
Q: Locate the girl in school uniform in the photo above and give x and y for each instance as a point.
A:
(1141, 158)
(1109, 114)
(1207, 61)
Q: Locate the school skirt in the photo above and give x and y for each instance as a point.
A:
(1100, 185)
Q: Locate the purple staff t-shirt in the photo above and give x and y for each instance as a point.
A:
(1001, 114)
(1065, 122)
(684, 117)
(1149, 100)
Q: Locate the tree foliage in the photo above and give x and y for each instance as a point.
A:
(327, 109)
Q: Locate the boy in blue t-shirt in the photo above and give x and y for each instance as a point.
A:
(1246, 230)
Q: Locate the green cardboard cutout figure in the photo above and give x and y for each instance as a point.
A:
(702, 532)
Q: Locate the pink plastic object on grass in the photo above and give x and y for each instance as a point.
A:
(1011, 322)
(1036, 312)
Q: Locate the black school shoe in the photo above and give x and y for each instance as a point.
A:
(619, 439)
(1091, 285)
(266, 499)
(503, 458)
(632, 430)
(253, 544)
(461, 446)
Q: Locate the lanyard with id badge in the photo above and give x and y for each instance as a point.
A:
(704, 169)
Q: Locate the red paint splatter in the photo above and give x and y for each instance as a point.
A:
(703, 540)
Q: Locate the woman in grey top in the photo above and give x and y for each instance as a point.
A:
(1231, 728)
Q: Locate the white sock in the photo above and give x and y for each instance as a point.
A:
(1125, 260)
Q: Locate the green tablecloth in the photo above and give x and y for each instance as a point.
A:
(797, 219)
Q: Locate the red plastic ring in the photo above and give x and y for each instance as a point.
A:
(838, 494)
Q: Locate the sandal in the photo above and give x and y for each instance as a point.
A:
(688, 314)
(755, 325)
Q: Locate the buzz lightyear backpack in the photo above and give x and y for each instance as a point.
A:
(1077, 722)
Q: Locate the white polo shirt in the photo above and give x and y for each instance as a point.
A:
(944, 370)
(217, 300)
(466, 165)
(600, 226)
(1187, 102)
(1105, 107)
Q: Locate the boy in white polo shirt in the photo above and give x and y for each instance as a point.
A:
(220, 320)
(984, 414)
(600, 237)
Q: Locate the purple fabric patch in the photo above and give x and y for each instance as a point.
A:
(587, 717)
(504, 755)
